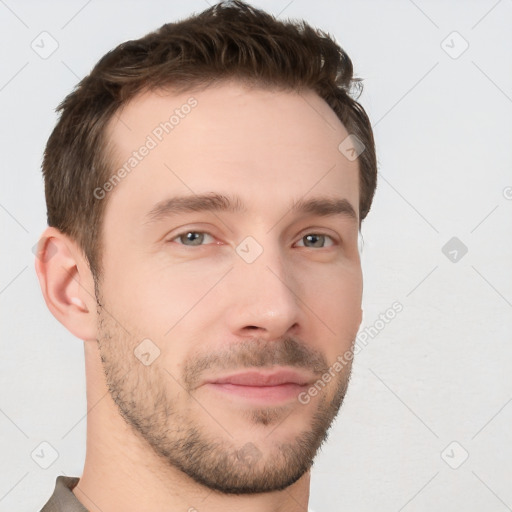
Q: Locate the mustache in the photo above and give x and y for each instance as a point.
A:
(255, 353)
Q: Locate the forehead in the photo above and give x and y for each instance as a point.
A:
(261, 145)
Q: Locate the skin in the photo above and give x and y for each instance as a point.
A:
(207, 310)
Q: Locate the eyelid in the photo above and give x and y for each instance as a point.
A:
(197, 227)
(321, 230)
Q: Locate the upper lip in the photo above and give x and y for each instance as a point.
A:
(263, 378)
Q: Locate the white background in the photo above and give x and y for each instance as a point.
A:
(439, 372)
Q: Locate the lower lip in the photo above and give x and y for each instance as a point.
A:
(262, 394)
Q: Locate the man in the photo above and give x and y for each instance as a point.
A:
(205, 187)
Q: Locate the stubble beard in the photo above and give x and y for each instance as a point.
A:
(218, 462)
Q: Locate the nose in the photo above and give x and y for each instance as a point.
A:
(264, 299)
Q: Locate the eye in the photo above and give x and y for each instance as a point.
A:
(316, 241)
(191, 238)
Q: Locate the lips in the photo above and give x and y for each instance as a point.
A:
(261, 387)
(263, 379)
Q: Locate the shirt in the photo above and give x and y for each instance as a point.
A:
(62, 499)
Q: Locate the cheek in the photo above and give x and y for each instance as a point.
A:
(335, 297)
(150, 297)
(169, 308)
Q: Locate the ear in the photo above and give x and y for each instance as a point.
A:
(67, 283)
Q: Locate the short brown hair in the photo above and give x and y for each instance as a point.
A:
(230, 40)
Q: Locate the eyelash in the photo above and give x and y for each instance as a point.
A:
(184, 233)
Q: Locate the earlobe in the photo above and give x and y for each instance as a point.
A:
(66, 283)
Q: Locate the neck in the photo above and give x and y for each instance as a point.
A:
(122, 472)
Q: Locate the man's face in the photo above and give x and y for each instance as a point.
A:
(243, 308)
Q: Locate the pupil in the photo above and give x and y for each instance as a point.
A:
(315, 240)
(194, 237)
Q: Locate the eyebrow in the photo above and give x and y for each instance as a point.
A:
(319, 206)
